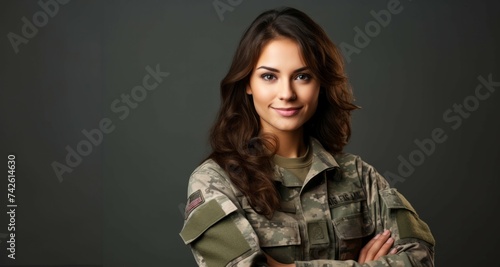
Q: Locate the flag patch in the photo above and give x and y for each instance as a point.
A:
(194, 200)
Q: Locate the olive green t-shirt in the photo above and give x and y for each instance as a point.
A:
(298, 166)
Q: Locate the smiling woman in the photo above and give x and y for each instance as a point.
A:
(277, 189)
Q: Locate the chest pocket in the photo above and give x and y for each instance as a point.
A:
(279, 236)
(352, 232)
(350, 216)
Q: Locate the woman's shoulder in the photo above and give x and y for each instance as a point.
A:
(354, 165)
(353, 161)
(209, 182)
(208, 166)
(209, 173)
(346, 158)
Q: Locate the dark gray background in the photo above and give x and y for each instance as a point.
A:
(120, 205)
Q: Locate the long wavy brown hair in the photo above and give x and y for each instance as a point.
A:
(237, 144)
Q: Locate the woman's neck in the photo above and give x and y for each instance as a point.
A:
(291, 144)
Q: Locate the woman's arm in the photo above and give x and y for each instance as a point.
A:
(413, 240)
(215, 226)
(379, 246)
(413, 237)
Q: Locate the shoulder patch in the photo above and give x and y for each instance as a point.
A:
(194, 200)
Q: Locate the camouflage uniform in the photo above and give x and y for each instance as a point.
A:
(324, 221)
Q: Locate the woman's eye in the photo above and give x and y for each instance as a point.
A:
(303, 76)
(268, 76)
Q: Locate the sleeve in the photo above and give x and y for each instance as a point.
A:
(215, 227)
(390, 210)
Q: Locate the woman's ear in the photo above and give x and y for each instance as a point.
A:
(249, 90)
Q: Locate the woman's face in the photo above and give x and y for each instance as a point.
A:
(285, 92)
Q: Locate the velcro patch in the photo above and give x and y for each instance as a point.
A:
(194, 200)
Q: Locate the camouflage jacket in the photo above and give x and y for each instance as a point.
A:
(323, 221)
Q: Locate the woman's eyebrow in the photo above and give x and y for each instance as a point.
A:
(276, 70)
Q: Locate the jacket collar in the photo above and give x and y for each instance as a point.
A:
(321, 160)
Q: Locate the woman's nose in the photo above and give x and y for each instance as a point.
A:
(287, 92)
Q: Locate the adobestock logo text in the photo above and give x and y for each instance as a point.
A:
(30, 28)
(122, 107)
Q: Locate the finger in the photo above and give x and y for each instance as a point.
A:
(393, 251)
(384, 250)
(379, 242)
(271, 262)
(364, 250)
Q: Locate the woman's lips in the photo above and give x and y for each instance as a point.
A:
(287, 112)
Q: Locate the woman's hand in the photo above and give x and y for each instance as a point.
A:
(273, 263)
(377, 247)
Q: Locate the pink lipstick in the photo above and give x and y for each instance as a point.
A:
(287, 112)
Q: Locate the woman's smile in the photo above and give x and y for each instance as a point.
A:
(287, 112)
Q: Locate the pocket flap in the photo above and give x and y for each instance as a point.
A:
(274, 234)
(354, 226)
